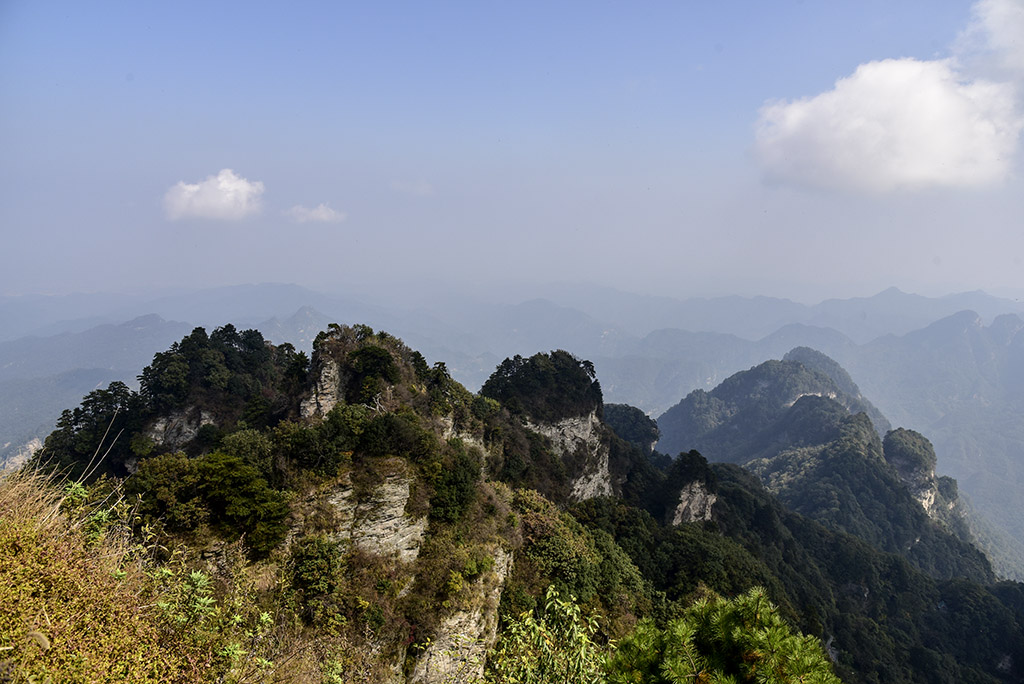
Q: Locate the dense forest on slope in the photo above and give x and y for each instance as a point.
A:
(360, 516)
(959, 382)
(884, 620)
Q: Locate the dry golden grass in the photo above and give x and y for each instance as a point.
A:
(80, 606)
(70, 609)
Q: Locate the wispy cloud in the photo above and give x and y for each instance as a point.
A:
(225, 196)
(899, 124)
(318, 214)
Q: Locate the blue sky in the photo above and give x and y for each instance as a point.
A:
(802, 149)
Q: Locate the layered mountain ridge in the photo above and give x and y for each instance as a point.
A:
(814, 446)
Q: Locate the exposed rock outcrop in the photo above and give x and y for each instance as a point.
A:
(913, 459)
(459, 649)
(178, 428)
(827, 395)
(923, 487)
(327, 391)
(580, 439)
(377, 523)
(938, 496)
(695, 503)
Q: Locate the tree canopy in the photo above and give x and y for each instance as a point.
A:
(546, 387)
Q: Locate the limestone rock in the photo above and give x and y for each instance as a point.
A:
(178, 428)
(827, 395)
(695, 503)
(459, 648)
(913, 459)
(377, 523)
(381, 525)
(581, 437)
(326, 392)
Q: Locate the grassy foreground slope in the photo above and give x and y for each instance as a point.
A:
(77, 604)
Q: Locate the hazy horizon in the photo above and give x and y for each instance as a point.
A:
(411, 293)
(806, 150)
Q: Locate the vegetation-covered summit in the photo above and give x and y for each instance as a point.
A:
(546, 387)
(814, 359)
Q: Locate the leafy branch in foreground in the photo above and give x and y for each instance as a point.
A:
(555, 646)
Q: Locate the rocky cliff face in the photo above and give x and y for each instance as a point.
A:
(938, 497)
(798, 397)
(377, 523)
(912, 458)
(580, 440)
(178, 428)
(458, 652)
(921, 483)
(695, 503)
(327, 390)
(374, 520)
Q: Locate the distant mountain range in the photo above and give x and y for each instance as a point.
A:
(860, 318)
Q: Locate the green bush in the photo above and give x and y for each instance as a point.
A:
(455, 487)
(241, 501)
(373, 365)
(720, 640)
(397, 434)
(218, 488)
(315, 571)
(170, 490)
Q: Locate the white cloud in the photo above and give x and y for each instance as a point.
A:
(900, 124)
(226, 196)
(320, 214)
(893, 124)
